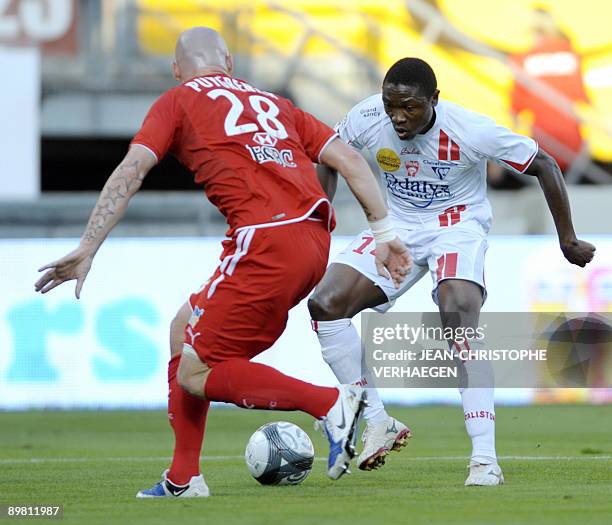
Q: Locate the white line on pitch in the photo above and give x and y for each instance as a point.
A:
(18, 461)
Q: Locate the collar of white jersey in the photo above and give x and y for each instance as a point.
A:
(436, 124)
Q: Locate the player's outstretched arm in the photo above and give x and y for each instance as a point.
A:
(549, 175)
(392, 257)
(123, 183)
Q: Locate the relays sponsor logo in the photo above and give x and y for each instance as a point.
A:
(388, 160)
(419, 193)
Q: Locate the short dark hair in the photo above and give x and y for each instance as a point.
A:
(413, 72)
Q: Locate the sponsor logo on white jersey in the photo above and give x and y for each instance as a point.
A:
(388, 160)
(419, 193)
(440, 167)
(410, 150)
(369, 112)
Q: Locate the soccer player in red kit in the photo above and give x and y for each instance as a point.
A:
(253, 151)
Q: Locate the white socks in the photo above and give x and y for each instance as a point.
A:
(479, 409)
(341, 350)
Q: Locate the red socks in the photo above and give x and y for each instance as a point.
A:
(238, 381)
(253, 385)
(187, 415)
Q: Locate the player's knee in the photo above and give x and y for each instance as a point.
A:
(459, 296)
(183, 379)
(326, 306)
(189, 382)
(457, 303)
(192, 376)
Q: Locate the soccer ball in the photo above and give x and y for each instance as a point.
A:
(279, 453)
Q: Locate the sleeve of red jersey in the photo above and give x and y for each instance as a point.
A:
(503, 146)
(315, 135)
(159, 127)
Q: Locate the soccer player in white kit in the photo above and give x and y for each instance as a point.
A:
(431, 156)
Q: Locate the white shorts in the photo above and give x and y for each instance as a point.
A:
(454, 252)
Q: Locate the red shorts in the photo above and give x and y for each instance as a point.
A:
(243, 308)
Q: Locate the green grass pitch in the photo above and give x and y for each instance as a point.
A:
(557, 461)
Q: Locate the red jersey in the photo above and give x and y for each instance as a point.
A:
(554, 62)
(252, 150)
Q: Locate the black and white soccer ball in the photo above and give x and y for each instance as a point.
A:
(279, 453)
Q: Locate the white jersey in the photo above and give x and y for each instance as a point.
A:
(435, 177)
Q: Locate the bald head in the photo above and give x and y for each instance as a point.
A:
(201, 50)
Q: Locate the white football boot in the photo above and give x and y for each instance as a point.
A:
(484, 475)
(379, 439)
(340, 427)
(196, 488)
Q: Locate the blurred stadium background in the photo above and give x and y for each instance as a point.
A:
(79, 76)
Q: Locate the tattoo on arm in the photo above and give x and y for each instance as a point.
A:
(365, 209)
(117, 191)
(369, 215)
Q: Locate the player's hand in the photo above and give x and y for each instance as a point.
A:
(75, 265)
(578, 252)
(393, 260)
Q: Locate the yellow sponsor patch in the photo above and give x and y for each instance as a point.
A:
(388, 160)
